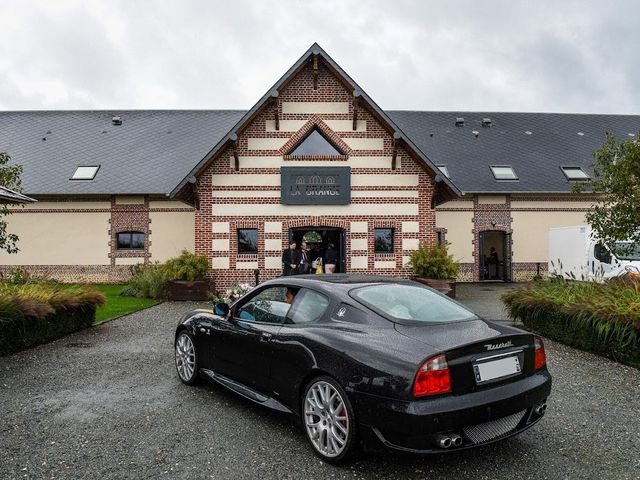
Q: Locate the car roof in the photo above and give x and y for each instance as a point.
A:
(336, 280)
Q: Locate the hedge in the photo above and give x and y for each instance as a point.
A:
(36, 313)
(601, 318)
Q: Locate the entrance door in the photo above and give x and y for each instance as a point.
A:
(318, 240)
(495, 256)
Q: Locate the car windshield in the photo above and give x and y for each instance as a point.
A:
(411, 303)
(626, 251)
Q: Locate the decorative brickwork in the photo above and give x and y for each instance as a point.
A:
(489, 217)
(228, 267)
(127, 218)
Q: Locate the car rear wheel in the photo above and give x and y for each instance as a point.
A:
(186, 358)
(329, 420)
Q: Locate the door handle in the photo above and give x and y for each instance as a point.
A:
(266, 337)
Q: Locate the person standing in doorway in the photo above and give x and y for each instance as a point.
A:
(330, 258)
(303, 263)
(290, 259)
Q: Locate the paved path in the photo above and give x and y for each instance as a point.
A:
(106, 403)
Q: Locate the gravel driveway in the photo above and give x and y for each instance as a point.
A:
(106, 403)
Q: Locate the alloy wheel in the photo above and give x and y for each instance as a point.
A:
(326, 419)
(185, 357)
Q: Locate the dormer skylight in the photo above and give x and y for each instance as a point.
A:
(85, 172)
(503, 172)
(575, 173)
(315, 144)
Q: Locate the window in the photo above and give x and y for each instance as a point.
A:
(267, 306)
(248, 240)
(440, 237)
(85, 173)
(444, 170)
(315, 144)
(503, 172)
(574, 173)
(601, 253)
(409, 304)
(383, 240)
(130, 240)
(308, 307)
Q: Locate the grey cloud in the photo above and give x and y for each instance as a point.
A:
(578, 56)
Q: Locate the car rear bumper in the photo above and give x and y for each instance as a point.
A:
(478, 418)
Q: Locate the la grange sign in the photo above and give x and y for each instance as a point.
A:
(315, 185)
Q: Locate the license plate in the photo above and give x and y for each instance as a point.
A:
(499, 368)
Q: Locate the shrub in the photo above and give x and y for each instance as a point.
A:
(150, 280)
(147, 281)
(37, 313)
(599, 317)
(433, 261)
(187, 266)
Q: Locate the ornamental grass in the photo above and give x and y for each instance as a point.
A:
(599, 317)
(35, 313)
(39, 300)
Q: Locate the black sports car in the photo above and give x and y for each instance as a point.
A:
(371, 361)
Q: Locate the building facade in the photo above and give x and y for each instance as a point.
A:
(314, 159)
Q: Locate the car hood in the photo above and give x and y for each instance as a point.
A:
(445, 336)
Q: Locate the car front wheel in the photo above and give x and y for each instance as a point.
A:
(329, 420)
(186, 358)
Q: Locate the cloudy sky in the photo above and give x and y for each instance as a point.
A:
(556, 56)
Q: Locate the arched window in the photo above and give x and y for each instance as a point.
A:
(130, 240)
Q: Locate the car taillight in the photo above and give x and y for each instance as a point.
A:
(433, 377)
(540, 356)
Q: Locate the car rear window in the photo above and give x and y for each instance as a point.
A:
(408, 303)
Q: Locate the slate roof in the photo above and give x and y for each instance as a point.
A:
(554, 140)
(9, 196)
(148, 154)
(152, 151)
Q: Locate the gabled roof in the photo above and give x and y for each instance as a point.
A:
(315, 49)
(536, 145)
(148, 154)
(154, 152)
(9, 196)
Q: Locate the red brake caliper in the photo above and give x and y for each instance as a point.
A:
(343, 413)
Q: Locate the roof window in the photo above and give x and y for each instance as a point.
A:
(444, 170)
(503, 172)
(85, 172)
(574, 173)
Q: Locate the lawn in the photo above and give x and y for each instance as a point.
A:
(117, 305)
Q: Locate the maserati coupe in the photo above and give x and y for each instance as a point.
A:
(369, 361)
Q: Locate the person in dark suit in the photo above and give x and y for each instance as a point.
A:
(290, 260)
(304, 262)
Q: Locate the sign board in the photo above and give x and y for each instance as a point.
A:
(315, 185)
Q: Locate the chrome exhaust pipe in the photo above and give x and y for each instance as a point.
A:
(540, 409)
(443, 441)
(456, 440)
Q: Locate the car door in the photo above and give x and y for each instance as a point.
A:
(292, 358)
(242, 347)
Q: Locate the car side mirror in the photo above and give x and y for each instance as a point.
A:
(221, 309)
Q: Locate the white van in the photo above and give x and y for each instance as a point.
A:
(574, 253)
